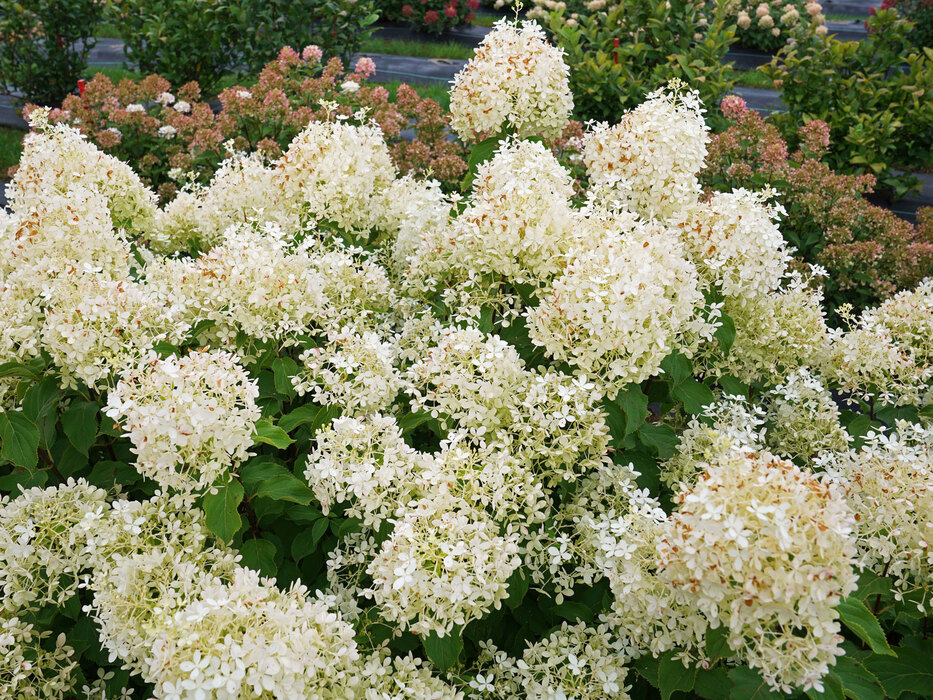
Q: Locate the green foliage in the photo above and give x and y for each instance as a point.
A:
(876, 95)
(44, 46)
(658, 41)
(200, 40)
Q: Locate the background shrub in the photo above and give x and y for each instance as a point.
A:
(870, 253)
(433, 16)
(176, 138)
(876, 95)
(657, 41)
(185, 40)
(920, 12)
(44, 46)
(768, 26)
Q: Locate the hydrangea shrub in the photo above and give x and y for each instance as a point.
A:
(323, 430)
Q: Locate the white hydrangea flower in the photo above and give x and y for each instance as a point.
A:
(515, 81)
(765, 549)
(804, 418)
(95, 327)
(735, 242)
(241, 190)
(441, 568)
(29, 670)
(354, 371)
(889, 484)
(576, 661)
(337, 173)
(725, 425)
(410, 209)
(620, 308)
(775, 334)
(190, 419)
(60, 234)
(40, 540)
(876, 359)
(277, 643)
(78, 162)
(650, 160)
(365, 462)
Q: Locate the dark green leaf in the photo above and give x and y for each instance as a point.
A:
(284, 368)
(271, 480)
(725, 334)
(747, 684)
(910, 672)
(855, 615)
(661, 437)
(20, 438)
(713, 684)
(858, 682)
(220, 510)
(673, 675)
(79, 422)
(300, 416)
(518, 586)
(259, 555)
(694, 394)
(270, 434)
(18, 369)
(648, 668)
(481, 152)
(832, 689)
(41, 398)
(444, 652)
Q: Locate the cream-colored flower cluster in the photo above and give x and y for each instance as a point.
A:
(180, 612)
(804, 419)
(355, 371)
(28, 668)
(622, 306)
(650, 160)
(441, 569)
(734, 240)
(516, 82)
(728, 424)
(764, 549)
(190, 419)
(575, 661)
(338, 173)
(95, 327)
(57, 158)
(889, 484)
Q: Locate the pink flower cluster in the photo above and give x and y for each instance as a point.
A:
(866, 249)
(178, 137)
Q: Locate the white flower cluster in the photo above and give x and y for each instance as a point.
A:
(57, 158)
(181, 613)
(765, 549)
(440, 569)
(726, 425)
(621, 307)
(889, 484)
(28, 669)
(95, 327)
(804, 418)
(337, 173)
(650, 160)
(354, 371)
(190, 419)
(242, 189)
(575, 661)
(735, 242)
(516, 82)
